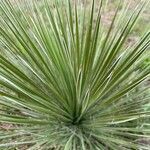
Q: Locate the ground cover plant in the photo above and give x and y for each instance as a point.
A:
(69, 83)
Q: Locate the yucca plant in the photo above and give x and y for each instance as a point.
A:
(70, 82)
